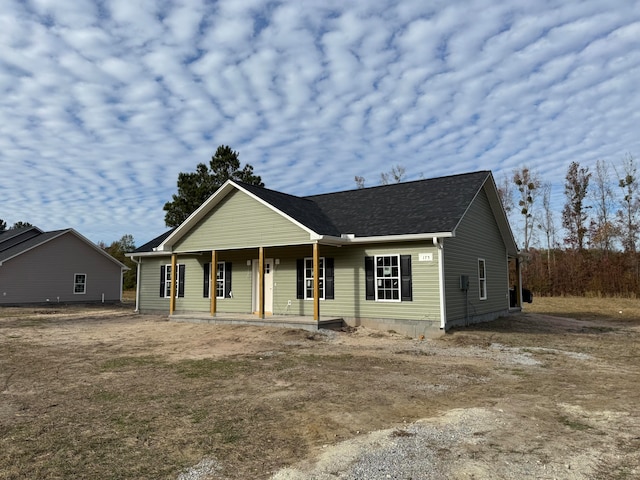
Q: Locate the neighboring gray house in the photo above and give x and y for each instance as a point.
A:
(412, 257)
(60, 266)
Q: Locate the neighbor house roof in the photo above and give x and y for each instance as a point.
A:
(431, 206)
(19, 241)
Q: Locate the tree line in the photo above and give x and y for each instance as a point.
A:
(591, 246)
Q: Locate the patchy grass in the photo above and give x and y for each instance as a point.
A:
(586, 308)
(129, 396)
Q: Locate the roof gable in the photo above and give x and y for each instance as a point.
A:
(432, 207)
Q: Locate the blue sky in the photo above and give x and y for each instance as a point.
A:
(103, 103)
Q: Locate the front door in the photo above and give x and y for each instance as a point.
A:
(268, 285)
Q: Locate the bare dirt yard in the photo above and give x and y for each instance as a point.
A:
(103, 393)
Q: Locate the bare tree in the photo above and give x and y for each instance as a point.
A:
(574, 213)
(505, 192)
(527, 184)
(603, 230)
(395, 175)
(359, 181)
(546, 223)
(629, 213)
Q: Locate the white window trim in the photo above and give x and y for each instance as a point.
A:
(76, 283)
(482, 280)
(167, 280)
(305, 278)
(220, 267)
(375, 278)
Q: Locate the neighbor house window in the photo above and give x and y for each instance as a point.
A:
(165, 280)
(388, 278)
(80, 283)
(223, 280)
(308, 278)
(482, 279)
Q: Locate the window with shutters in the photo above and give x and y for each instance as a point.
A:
(388, 278)
(80, 283)
(165, 280)
(308, 278)
(223, 280)
(304, 278)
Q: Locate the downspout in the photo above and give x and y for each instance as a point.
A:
(443, 308)
(137, 310)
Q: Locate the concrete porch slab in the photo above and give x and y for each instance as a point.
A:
(282, 321)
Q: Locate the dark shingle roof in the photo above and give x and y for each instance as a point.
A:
(423, 206)
(151, 244)
(27, 243)
(303, 210)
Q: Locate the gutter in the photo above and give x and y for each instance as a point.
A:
(443, 304)
(350, 238)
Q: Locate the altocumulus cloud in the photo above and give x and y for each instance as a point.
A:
(103, 103)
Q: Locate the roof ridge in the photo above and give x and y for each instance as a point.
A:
(391, 185)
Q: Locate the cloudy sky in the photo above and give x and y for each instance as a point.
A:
(103, 103)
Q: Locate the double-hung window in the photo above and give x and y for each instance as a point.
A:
(482, 279)
(223, 280)
(388, 278)
(308, 278)
(80, 283)
(166, 277)
(304, 278)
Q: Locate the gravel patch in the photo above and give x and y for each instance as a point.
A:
(411, 452)
(202, 471)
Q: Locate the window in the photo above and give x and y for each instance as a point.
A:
(80, 283)
(223, 280)
(308, 278)
(388, 278)
(304, 283)
(482, 279)
(165, 280)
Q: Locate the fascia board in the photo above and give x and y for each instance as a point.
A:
(279, 212)
(196, 216)
(498, 213)
(501, 216)
(147, 254)
(414, 237)
(97, 248)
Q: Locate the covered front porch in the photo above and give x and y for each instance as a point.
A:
(253, 296)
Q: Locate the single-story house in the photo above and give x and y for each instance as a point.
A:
(410, 257)
(56, 267)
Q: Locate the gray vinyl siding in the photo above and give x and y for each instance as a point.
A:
(477, 237)
(240, 221)
(47, 273)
